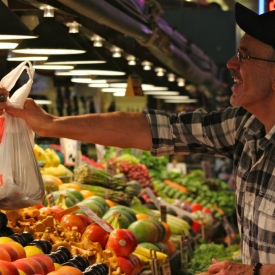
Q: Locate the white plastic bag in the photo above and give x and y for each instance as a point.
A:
(21, 184)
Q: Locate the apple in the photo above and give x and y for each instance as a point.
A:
(126, 266)
(35, 265)
(4, 255)
(96, 234)
(19, 249)
(11, 250)
(45, 259)
(26, 267)
(7, 268)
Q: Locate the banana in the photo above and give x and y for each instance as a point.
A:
(147, 253)
(144, 260)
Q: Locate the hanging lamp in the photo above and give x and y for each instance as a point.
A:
(89, 57)
(12, 27)
(52, 38)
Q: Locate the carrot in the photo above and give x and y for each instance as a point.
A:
(176, 185)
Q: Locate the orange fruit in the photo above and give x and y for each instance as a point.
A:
(86, 193)
(110, 203)
(69, 185)
(56, 179)
(167, 232)
(141, 216)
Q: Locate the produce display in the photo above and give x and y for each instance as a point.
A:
(105, 220)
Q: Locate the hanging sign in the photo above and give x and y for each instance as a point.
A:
(134, 86)
(71, 151)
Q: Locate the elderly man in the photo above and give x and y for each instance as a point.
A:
(244, 133)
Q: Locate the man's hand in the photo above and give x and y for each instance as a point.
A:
(3, 99)
(229, 268)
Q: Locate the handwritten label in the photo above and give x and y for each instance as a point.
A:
(152, 197)
(95, 218)
(70, 149)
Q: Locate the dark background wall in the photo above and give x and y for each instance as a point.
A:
(214, 31)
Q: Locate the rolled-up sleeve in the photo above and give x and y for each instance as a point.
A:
(197, 132)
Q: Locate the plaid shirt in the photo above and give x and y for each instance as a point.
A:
(236, 134)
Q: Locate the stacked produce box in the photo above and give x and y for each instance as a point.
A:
(109, 219)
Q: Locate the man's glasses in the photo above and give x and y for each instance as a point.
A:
(243, 57)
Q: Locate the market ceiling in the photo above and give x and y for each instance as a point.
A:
(136, 28)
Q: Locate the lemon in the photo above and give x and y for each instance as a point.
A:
(57, 266)
(5, 240)
(32, 250)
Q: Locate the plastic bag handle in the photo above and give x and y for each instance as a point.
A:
(11, 78)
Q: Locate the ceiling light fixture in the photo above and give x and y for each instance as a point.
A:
(84, 80)
(116, 52)
(155, 88)
(52, 39)
(147, 66)
(113, 90)
(119, 94)
(171, 77)
(131, 60)
(161, 93)
(89, 57)
(4, 45)
(42, 66)
(160, 71)
(98, 41)
(181, 82)
(172, 97)
(181, 100)
(12, 27)
(124, 85)
(23, 57)
(99, 85)
(109, 68)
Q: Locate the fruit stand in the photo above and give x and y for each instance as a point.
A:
(126, 215)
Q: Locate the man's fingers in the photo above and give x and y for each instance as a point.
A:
(214, 261)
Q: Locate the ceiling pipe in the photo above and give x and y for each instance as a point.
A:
(177, 60)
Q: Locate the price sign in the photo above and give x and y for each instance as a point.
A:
(152, 197)
(71, 151)
(96, 219)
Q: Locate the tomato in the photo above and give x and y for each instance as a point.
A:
(96, 234)
(207, 210)
(85, 218)
(126, 266)
(196, 226)
(121, 241)
(71, 220)
(195, 207)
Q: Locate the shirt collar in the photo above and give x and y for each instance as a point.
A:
(254, 129)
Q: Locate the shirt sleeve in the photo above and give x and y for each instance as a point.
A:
(196, 132)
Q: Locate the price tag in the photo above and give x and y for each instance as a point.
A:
(163, 213)
(152, 197)
(134, 87)
(51, 201)
(70, 150)
(96, 219)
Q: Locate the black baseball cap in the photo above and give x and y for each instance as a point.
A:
(261, 27)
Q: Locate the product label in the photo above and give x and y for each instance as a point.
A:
(96, 219)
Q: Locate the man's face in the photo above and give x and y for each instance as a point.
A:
(253, 78)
